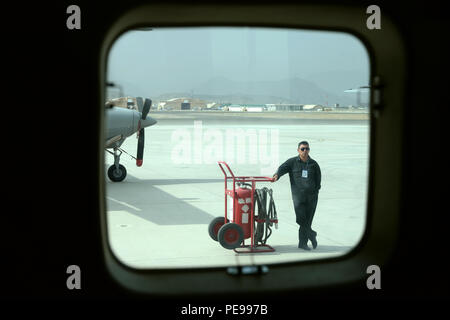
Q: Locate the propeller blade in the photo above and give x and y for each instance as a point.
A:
(146, 108)
(140, 103)
(140, 148)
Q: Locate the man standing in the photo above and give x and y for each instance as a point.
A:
(305, 178)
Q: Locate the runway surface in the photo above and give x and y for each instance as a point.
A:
(158, 216)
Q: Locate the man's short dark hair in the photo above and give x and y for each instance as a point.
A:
(303, 142)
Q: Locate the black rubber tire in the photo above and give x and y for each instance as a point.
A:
(214, 226)
(117, 175)
(230, 235)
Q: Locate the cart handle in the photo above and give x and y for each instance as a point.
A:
(242, 179)
(226, 165)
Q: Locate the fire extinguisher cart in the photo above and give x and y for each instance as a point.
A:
(231, 232)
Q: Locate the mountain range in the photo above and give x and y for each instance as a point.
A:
(294, 90)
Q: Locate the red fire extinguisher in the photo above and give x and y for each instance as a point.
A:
(242, 210)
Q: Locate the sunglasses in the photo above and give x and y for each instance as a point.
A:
(303, 149)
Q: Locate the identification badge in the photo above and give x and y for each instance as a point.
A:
(304, 173)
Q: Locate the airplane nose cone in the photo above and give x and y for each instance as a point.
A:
(147, 122)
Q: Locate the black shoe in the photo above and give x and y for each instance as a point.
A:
(304, 247)
(314, 242)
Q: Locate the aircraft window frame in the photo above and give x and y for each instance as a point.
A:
(384, 49)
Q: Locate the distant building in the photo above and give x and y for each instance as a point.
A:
(234, 107)
(186, 105)
(284, 107)
(123, 102)
(245, 107)
(312, 107)
(182, 104)
(211, 106)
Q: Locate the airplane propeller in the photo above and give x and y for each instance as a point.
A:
(144, 108)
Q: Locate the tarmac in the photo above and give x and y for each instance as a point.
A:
(158, 216)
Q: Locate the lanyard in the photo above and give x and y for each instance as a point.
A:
(305, 171)
(307, 162)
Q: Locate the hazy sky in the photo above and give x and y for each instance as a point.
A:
(149, 63)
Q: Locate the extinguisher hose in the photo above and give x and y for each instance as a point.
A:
(263, 229)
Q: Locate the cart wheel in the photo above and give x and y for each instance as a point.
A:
(214, 227)
(230, 235)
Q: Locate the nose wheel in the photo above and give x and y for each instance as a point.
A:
(117, 172)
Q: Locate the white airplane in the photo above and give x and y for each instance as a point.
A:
(122, 123)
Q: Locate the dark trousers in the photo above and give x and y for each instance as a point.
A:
(305, 206)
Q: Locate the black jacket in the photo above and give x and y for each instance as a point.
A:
(299, 184)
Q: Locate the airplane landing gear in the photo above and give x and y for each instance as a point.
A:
(117, 172)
